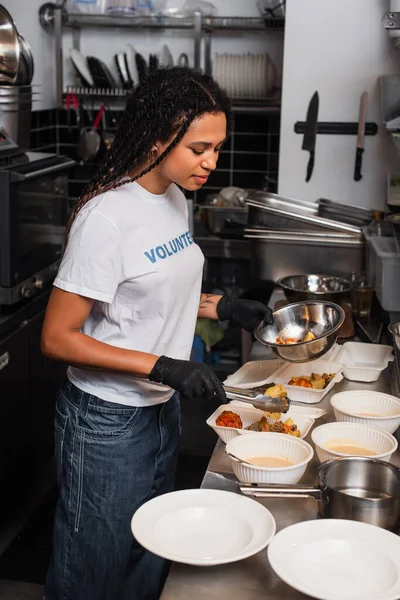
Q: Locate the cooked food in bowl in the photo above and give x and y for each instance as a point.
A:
(316, 381)
(294, 321)
(307, 338)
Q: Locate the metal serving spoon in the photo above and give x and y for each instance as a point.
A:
(239, 459)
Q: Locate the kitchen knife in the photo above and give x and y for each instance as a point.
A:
(360, 137)
(310, 132)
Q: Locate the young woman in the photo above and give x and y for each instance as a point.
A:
(122, 314)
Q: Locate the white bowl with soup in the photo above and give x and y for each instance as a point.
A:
(336, 440)
(274, 457)
(375, 409)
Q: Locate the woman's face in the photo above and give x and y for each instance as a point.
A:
(190, 163)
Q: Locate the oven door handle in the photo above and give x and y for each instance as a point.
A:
(19, 177)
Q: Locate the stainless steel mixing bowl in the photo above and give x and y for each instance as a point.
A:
(323, 319)
(298, 288)
(394, 329)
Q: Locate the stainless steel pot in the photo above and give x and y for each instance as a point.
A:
(10, 50)
(298, 288)
(356, 488)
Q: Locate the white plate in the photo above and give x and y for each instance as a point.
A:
(80, 63)
(203, 527)
(336, 559)
(131, 61)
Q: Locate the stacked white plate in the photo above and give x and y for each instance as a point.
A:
(249, 76)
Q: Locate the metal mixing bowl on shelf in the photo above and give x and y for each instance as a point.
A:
(294, 321)
(314, 287)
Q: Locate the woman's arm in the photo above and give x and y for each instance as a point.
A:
(62, 339)
(208, 306)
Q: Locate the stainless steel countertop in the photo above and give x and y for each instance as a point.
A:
(253, 578)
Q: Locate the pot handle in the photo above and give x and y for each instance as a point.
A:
(275, 490)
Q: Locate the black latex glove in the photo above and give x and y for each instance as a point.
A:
(191, 379)
(247, 313)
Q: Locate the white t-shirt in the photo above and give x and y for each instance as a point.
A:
(132, 253)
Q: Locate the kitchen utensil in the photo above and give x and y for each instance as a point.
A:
(71, 100)
(360, 136)
(324, 319)
(237, 458)
(278, 445)
(357, 488)
(315, 287)
(81, 67)
(89, 142)
(337, 560)
(310, 133)
(328, 436)
(366, 407)
(203, 527)
(258, 400)
(11, 48)
(394, 329)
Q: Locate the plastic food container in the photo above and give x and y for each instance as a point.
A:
(308, 395)
(384, 264)
(253, 374)
(250, 416)
(270, 444)
(375, 409)
(384, 444)
(364, 362)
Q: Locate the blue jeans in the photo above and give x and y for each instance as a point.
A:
(110, 460)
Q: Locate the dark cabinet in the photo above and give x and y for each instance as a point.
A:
(15, 432)
(29, 385)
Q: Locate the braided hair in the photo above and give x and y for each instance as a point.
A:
(163, 105)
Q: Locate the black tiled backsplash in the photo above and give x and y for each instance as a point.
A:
(250, 153)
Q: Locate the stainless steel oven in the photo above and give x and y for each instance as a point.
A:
(34, 210)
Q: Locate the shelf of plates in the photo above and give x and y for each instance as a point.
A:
(55, 17)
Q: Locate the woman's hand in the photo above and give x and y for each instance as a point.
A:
(247, 313)
(193, 380)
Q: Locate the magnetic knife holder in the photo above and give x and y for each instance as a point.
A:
(334, 128)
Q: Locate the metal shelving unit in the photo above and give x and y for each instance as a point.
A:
(391, 20)
(57, 18)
